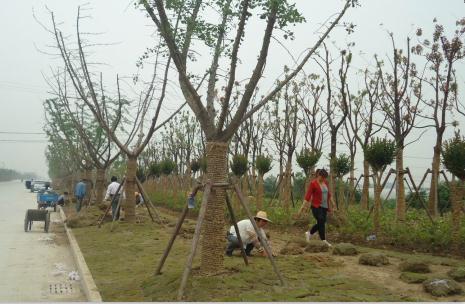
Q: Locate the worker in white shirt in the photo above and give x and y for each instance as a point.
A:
(111, 194)
(248, 235)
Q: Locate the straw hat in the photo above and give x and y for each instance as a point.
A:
(263, 216)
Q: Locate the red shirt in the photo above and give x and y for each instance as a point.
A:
(315, 195)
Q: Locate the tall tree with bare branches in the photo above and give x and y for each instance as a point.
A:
(441, 55)
(224, 39)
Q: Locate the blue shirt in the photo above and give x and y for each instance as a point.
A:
(80, 190)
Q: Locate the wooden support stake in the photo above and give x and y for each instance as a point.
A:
(419, 196)
(145, 204)
(261, 237)
(239, 238)
(173, 238)
(390, 191)
(142, 190)
(120, 198)
(195, 240)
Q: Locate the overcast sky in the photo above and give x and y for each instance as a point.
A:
(22, 62)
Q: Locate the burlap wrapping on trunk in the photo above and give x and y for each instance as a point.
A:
(213, 234)
(129, 204)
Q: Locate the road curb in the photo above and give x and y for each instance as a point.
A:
(88, 284)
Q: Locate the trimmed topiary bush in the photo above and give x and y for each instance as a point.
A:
(155, 169)
(307, 159)
(239, 165)
(195, 166)
(453, 156)
(263, 164)
(167, 166)
(341, 165)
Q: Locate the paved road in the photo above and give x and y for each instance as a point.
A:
(31, 267)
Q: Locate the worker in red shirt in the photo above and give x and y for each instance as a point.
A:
(319, 198)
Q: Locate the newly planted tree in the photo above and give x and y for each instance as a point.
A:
(441, 54)
(379, 154)
(211, 103)
(89, 91)
(263, 165)
(401, 96)
(453, 159)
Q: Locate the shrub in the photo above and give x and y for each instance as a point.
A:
(307, 159)
(239, 165)
(263, 164)
(453, 156)
(380, 153)
(155, 169)
(167, 166)
(341, 165)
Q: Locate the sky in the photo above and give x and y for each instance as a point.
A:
(25, 57)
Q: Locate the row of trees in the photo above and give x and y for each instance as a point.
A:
(91, 126)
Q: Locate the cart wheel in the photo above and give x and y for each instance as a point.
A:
(26, 222)
(47, 222)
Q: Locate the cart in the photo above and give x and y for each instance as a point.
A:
(36, 215)
(47, 199)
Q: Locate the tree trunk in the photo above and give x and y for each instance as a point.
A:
(213, 241)
(341, 196)
(366, 184)
(457, 197)
(287, 188)
(129, 203)
(100, 185)
(400, 188)
(433, 191)
(260, 192)
(351, 190)
(377, 206)
(245, 184)
(332, 158)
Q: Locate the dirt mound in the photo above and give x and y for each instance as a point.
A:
(373, 259)
(457, 274)
(414, 266)
(442, 287)
(316, 246)
(413, 278)
(292, 248)
(345, 249)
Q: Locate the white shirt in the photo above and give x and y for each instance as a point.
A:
(111, 190)
(246, 231)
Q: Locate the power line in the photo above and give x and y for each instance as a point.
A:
(28, 133)
(22, 141)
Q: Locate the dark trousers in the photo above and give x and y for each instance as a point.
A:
(233, 243)
(320, 215)
(114, 204)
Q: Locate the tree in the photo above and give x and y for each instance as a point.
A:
(441, 55)
(263, 165)
(379, 154)
(224, 40)
(362, 111)
(401, 96)
(336, 109)
(453, 159)
(90, 92)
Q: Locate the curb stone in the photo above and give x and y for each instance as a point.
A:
(88, 284)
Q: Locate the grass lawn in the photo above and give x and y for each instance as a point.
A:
(123, 262)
